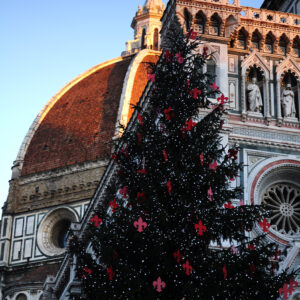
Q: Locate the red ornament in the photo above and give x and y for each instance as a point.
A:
(188, 82)
(141, 195)
(202, 159)
(225, 272)
(115, 157)
(179, 58)
(265, 225)
(177, 255)
(205, 49)
(159, 285)
(125, 152)
(169, 186)
(123, 192)
(87, 271)
(188, 125)
(228, 205)
(142, 171)
(96, 220)
(165, 155)
(151, 77)
(191, 34)
(200, 228)
(214, 166)
(114, 205)
(214, 87)
(168, 56)
(195, 93)
(251, 247)
(284, 291)
(292, 285)
(222, 99)
(110, 272)
(232, 153)
(140, 225)
(277, 253)
(210, 194)
(140, 118)
(188, 268)
(169, 113)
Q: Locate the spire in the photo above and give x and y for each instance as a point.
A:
(153, 6)
(146, 25)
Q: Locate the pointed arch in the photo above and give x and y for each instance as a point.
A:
(230, 25)
(242, 38)
(283, 44)
(270, 42)
(200, 22)
(143, 42)
(256, 40)
(296, 46)
(216, 23)
(187, 19)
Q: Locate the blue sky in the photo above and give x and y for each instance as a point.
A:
(45, 44)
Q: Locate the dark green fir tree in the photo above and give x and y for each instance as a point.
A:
(171, 226)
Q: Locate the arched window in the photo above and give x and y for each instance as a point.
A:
(144, 38)
(187, 19)
(283, 44)
(216, 24)
(256, 40)
(296, 46)
(242, 39)
(155, 39)
(200, 22)
(211, 67)
(270, 43)
(21, 297)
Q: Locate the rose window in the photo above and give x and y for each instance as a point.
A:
(284, 201)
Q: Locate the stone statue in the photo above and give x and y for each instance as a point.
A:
(254, 96)
(288, 102)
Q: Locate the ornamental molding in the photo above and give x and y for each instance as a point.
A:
(288, 64)
(255, 59)
(45, 234)
(265, 137)
(73, 169)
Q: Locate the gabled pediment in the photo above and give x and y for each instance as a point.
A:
(255, 59)
(288, 64)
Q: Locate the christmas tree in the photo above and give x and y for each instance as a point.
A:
(171, 225)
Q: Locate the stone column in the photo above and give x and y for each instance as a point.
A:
(243, 98)
(298, 100)
(272, 99)
(279, 116)
(267, 100)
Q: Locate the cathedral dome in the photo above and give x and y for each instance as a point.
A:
(78, 124)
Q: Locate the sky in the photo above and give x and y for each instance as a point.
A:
(45, 44)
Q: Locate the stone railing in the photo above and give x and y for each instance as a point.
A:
(270, 16)
(225, 2)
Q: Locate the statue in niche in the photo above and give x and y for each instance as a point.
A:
(288, 102)
(254, 96)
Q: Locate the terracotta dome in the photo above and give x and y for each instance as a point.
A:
(79, 122)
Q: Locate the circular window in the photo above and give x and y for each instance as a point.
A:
(52, 233)
(284, 201)
(21, 297)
